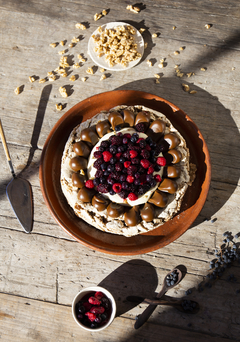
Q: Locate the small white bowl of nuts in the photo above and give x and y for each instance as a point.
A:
(94, 308)
(116, 46)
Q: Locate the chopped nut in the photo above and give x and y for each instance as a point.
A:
(174, 27)
(208, 26)
(63, 92)
(17, 91)
(53, 45)
(145, 45)
(59, 106)
(176, 66)
(72, 78)
(42, 80)
(82, 172)
(62, 52)
(162, 60)
(50, 73)
(189, 74)
(62, 43)
(203, 69)
(90, 71)
(141, 30)
(176, 52)
(81, 59)
(154, 35)
(80, 26)
(157, 80)
(52, 78)
(134, 9)
(84, 79)
(157, 76)
(97, 16)
(102, 70)
(233, 68)
(182, 48)
(71, 45)
(161, 65)
(31, 79)
(185, 87)
(64, 74)
(149, 63)
(75, 40)
(103, 77)
(104, 12)
(193, 92)
(76, 66)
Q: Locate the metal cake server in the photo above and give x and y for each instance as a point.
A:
(19, 193)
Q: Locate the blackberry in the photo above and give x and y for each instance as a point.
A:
(118, 167)
(145, 154)
(106, 173)
(110, 168)
(101, 149)
(99, 174)
(126, 154)
(131, 170)
(153, 183)
(137, 175)
(141, 169)
(116, 175)
(104, 188)
(105, 144)
(135, 161)
(132, 187)
(96, 181)
(110, 180)
(97, 154)
(123, 194)
(140, 127)
(149, 178)
(113, 160)
(115, 140)
(125, 186)
(142, 143)
(122, 178)
(137, 181)
(97, 164)
(121, 148)
(103, 180)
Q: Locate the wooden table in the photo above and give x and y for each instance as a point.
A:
(40, 273)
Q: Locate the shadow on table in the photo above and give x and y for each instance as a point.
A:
(217, 127)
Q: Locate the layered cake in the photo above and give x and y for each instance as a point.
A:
(125, 171)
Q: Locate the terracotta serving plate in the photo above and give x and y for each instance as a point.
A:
(86, 234)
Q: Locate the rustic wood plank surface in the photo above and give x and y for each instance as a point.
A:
(41, 272)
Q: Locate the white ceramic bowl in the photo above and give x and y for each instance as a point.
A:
(87, 290)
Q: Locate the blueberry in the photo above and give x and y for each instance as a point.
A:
(110, 168)
(117, 128)
(104, 166)
(96, 181)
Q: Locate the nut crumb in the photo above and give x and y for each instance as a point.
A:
(42, 80)
(233, 68)
(174, 27)
(31, 79)
(161, 65)
(72, 78)
(203, 69)
(97, 16)
(182, 48)
(157, 76)
(103, 77)
(145, 45)
(104, 12)
(84, 79)
(76, 66)
(63, 92)
(186, 87)
(75, 40)
(62, 52)
(154, 35)
(157, 81)
(193, 92)
(80, 26)
(149, 63)
(53, 45)
(134, 9)
(62, 43)
(189, 74)
(52, 78)
(17, 91)
(82, 172)
(208, 26)
(176, 52)
(71, 45)
(102, 70)
(89, 71)
(141, 30)
(59, 106)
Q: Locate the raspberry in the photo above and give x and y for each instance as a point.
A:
(140, 127)
(94, 301)
(133, 154)
(104, 188)
(130, 179)
(97, 154)
(98, 295)
(107, 156)
(97, 310)
(145, 154)
(89, 184)
(140, 139)
(161, 161)
(117, 187)
(132, 196)
(145, 163)
(118, 155)
(127, 164)
(91, 316)
(158, 178)
(150, 170)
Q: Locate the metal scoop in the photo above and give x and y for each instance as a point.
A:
(19, 193)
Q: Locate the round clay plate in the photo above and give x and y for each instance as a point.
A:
(100, 61)
(86, 234)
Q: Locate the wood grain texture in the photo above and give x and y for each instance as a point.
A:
(40, 273)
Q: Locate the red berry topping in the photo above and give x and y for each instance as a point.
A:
(127, 164)
(157, 178)
(132, 196)
(107, 156)
(118, 155)
(99, 295)
(127, 135)
(94, 300)
(145, 163)
(89, 184)
(91, 316)
(130, 179)
(133, 154)
(117, 187)
(138, 141)
(150, 170)
(161, 161)
(97, 309)
(147, 147)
